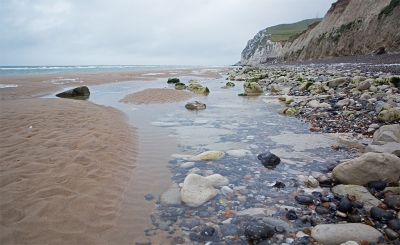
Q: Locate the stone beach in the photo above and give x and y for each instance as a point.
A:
(297, 200)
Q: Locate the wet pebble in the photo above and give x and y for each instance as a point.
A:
(304, 199)
(256, 232)
(269, 160)
(149, 197)
(380, 214)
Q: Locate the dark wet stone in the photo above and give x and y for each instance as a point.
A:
(317, 194)
(313, 221)
(79, 91)
(321, 210)
(280, 229)
(229, 230)
(190, 223)
(269, 160)
(279, 185)
(380, 214)
(354, 218)
(209, 233)
(194, 237)
(377, 185)
(344, 205)
(163, 226)
(394, 224)
(391, 234)
(149, 197)
(291, 215)
(392, 201)
(325, 198)
(303, 199)
(357, 204)
(257, 232)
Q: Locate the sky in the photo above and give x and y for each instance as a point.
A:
(140, 32)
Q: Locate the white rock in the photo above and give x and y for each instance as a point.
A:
(207, 156)
(312, 182)
(336, 234)
(187, 165)
(238, 153)
(226, 190)
(217, 180)
(171, 196)
(196, 190)
(350, 243)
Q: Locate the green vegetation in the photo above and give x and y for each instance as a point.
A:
(389, 9)
(282, 32)
(250, 69)
(252, 79)
(262, 76)
(299, 79)
(395, 80)
(346, 27)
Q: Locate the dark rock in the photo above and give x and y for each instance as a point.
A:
(391, 234)
(321, 210)
(190, 223)
(344, 205)
(291, 215)
(257, 232)
(392, 201)
(79, 91)
(380, 214)
(394, 224)
(149, 197)
(229, 230)
(279, 185)
(377, 185)
(173, 80)
(303, 199)
(195, 105)
(357, 204)
(269, 160)
(354, 218)
(280, 229)
(209, 233)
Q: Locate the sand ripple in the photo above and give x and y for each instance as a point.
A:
(63, 167)
(158, 96)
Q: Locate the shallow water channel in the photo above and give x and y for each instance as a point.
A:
(168, 132)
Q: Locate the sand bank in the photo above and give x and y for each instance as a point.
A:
(66, 166)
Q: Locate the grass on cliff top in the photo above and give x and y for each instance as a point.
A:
(282, 32)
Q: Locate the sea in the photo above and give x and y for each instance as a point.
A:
(29, 70)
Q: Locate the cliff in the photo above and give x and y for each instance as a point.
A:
(350, 27)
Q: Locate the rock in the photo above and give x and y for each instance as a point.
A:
(312, 182)
(335, 234)
(274, 88)
(195, 105)
(392, 201)
(337, 81)
(291, 111)
(321, 210)
(173, 80)
(188, 224)
(344, 205)
(388, 133)
(208, 156)
(365, 84)
(391, 234)
(171, 196)
(394, 224)
(187, 165)
(257, 232)
(238, 153)
(275, 222)
(79, 91)
(196, 190)
(149, 197)
(180, 86)
(198, 89)
(252, 88)
(380, 214)
(350, 243)
(389, 115)
(377, 185)
(255, 212)
(360, 193)
(226, 190)
(304, 199)
(369, 167)
(217, 180)
(269, 160)
(389, 147)
(313, 104)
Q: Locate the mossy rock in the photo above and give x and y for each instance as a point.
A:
(252, 88)
(291, 112)
(252, 79)
(193, 86)
(201, 90)
(230, 84)
(392, 114)
(193, 81)
(305, 85)
(180, 86)
(173, 80)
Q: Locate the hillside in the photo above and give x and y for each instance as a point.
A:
(350, 27)
(280, 33)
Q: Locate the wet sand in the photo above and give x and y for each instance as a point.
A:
(70, 169)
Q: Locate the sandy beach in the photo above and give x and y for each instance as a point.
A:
(65, 164)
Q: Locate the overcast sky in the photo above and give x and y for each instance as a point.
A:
(140, 32)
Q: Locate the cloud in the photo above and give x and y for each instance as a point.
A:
(188, 32)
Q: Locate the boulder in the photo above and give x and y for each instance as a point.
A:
(274, 88)
(337, 81)
(389, 115)
(196, 190)
(360, 193)
(369, 167)
(388, 133)
(336, 234)
(269, 160)
(217, 180)
(252, 88)
(180, 86)
(79, 91)
(173, 80)
(207, 156)
(365, 84)
(195, 105)
(390, 147)
(257, 232)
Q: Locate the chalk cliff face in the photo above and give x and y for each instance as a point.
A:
(260, 50)
(350, 27)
